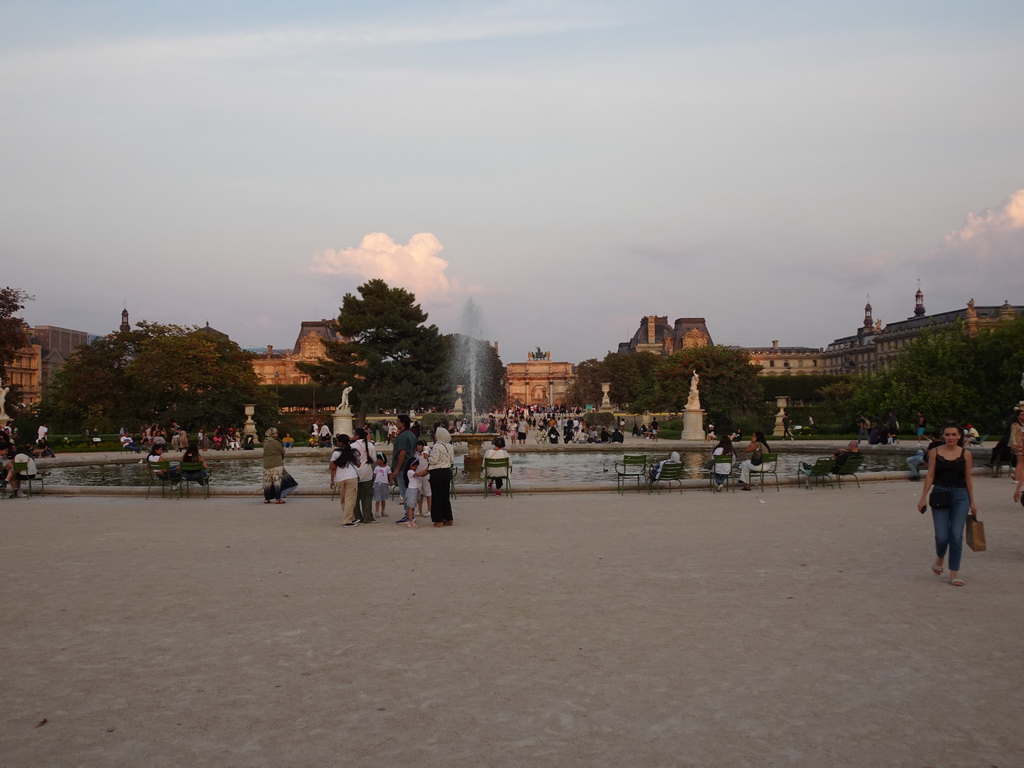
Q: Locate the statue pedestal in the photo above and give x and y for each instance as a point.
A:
(782, 401)
(343, 421)
(249, 435)
(693, 424)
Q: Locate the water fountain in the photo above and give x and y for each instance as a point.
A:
(468, 370)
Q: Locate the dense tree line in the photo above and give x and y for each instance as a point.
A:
(731, 390)
(156, 373)
(12, 333)
(947, 375)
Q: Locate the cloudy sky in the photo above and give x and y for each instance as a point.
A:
(572, 166)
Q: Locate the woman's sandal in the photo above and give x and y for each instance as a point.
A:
(937, 570)
(957, 582)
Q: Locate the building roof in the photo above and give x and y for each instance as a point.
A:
(322, 328)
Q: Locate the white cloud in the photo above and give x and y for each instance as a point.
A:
(415, 266)
(993, 234)
(981, 259)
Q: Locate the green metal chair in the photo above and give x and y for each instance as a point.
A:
(155, 468)
(820, 471)
(193, 472)
(498, 468)
(671, 472)
(21, 468)
(723, 465)
(769, 461)
(631, 466)
(848, 469)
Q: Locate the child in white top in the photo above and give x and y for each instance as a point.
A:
(412, 495)
(381, 485)
(422, 454)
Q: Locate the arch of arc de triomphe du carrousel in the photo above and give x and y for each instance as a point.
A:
(540, 381)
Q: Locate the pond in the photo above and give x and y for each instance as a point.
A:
(529, 469)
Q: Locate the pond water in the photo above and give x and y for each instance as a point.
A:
(533, 469)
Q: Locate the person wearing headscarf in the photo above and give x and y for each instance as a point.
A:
(277, 483)
(439, 467)
(656, 469)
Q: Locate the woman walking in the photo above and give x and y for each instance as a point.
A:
(277, 483)
(952, 498)
(439, 467)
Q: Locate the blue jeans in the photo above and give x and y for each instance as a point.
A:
(914, 464)
(949, 526)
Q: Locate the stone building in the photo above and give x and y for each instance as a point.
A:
(539, 381)
(777, 361)
(44, 351)
(56, 346)
(873, 345)
(281, 366)
(657, 336)
(24, 372)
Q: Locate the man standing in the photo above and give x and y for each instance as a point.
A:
(402, 454)
(786, 422)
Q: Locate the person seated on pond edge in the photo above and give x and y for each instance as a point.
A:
(920, 458)
(618, 437)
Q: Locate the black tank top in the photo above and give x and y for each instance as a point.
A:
(950, 474)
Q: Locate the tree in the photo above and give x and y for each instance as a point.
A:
(730, 389)
(630, 375)
(949, 375)
(390, 356)
(12, 327)
(157, 373)
(586, 388)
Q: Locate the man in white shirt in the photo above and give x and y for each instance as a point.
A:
(41, 433)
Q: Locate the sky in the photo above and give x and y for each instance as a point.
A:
(570, 166)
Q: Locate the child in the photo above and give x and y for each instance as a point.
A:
(412, 496)
(422, 453)
(381, 485)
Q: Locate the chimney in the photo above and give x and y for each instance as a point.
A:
(775, 343)
(270, 350)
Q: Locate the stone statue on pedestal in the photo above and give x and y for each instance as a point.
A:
(343, 415)
(693, 402)
(693, 415)
(5, 390)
